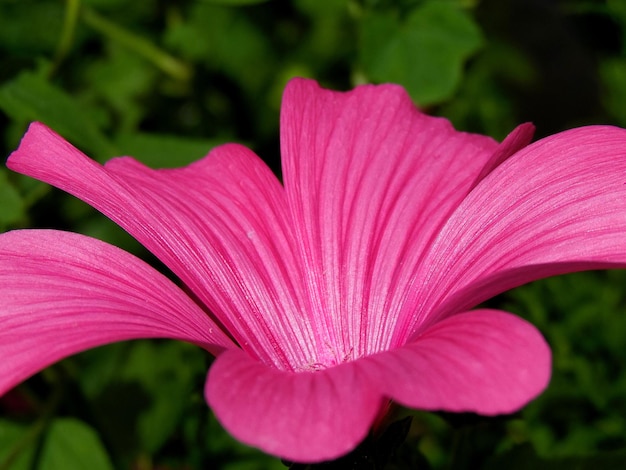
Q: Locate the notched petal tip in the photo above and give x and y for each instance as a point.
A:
(36, 138)
(517, 139)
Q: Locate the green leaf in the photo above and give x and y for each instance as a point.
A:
(226, 40)
(424, 52)
(29, 97)
(29, 28)
(137, 44)
(481, 103)
(121, 80)
(11, 204)
(139, 390)
(71, 444)
(68, 444)
(163, 151)
(159, 369)
(16, 446)
(583, 408)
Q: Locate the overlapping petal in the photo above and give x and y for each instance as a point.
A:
(519, 138)
(557, 206)
(370, 179)
(61, 293)
(219, 224)
(305, 417)
(482, 361)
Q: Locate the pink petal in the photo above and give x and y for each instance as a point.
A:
(557, 206)
(369, 179)
(220, 224)
(521, 136)
(61, 293)
(303, 417)
(483, 361)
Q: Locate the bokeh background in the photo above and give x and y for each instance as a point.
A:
(166, 80)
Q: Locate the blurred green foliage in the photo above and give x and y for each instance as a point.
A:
(425, 48)
(167, 80)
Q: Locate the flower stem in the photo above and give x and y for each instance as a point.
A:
(162, 60)
(67, 34)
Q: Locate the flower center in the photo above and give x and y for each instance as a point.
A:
(330, 358)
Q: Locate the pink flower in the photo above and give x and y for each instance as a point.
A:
(346, 287)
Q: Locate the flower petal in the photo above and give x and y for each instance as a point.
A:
(519, 138)
(219, 224)
(557, 206)
(369, 180)
(482, 361)
(303, 417)
(61, 293)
